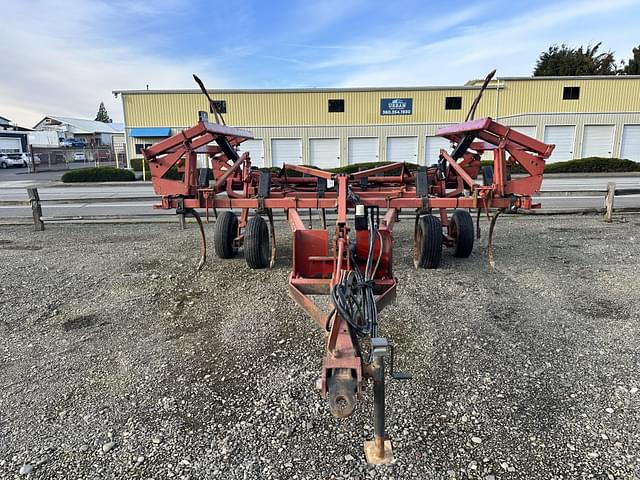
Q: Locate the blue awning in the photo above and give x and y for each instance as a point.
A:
(150, 132)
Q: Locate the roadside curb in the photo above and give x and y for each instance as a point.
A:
(137, 183)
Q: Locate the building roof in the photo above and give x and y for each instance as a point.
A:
(302, 90)
(497, 78)
(86, 126)
(470, 85)
(8, 125)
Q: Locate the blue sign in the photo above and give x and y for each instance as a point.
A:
(396, 106)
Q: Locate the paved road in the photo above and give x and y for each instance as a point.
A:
(13, 186)
(588, 183)
(145, 208)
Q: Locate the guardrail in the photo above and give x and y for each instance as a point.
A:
(610, 196)
(38, 218)
(35, 202)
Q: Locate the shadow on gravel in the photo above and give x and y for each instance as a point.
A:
(6, 246)
(82, 321)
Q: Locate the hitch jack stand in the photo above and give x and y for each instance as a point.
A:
(379, 450)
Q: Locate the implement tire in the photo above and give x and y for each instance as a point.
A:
(427, 242)
(224, 234)
(462, 230)
(257, 245)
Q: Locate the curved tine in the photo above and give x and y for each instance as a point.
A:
(490, 244)
(212, 105)
(474, 104)
(272, 233)
(201, 85)
(478, 223)
(203, 240)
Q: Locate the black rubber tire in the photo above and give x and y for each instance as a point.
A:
(224, 233)
(487, 176)
(428, 242)
(257, 245)
(3, 165)
(461, 229)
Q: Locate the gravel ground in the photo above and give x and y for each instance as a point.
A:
(119, 361)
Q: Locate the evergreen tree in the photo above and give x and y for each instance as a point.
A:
(102, 115)
(567, 61)
(633, 67)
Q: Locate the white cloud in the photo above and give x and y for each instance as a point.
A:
(511, 44)
(62, 59)
(67, 59)
(313, 16)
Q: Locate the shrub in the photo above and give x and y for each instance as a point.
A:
(356, 167)
(136, 165)
(582, 165)
(593, 164)
(367, 165)
(172, 174)
(98, 174)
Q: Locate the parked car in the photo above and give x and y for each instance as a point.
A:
(79, 156)
(26, 158)
(103, 155)
(73, 142)
(11, 160)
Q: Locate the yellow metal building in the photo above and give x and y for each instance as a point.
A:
(583, 116)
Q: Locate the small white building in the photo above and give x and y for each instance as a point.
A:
(93, 133)
(13, 138)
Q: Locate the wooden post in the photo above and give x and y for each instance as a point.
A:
(33, 159)
(36, 209)
(608, 201)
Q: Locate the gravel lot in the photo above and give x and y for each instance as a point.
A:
(119, 361)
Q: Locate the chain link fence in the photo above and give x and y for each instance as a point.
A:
(67, 158)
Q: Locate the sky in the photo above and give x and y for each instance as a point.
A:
(63, 58)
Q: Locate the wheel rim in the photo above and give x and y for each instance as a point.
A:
(265, 247)
(453, 231)
(418, 235)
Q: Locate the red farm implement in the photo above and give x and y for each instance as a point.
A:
(351, 262)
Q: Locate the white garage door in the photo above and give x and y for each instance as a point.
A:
(286, 150)
(597, 141)
(10, 145)
(528, 130)
(562, 136)
(432, 147)
(324, 152)
(255, 148)
(362, 149)
(402, 149)
(630, 142)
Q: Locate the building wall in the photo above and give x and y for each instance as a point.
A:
(613, 94)
(297, 108)
(304, 114)
(540, 121)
